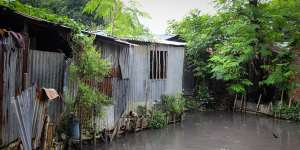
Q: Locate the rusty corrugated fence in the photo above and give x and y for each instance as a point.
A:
(46, 69)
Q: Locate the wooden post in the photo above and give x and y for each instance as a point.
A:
(234, 103)
(281, 99)
(242, 103)
(245, 104)
(174, 118)
(94, 126)
(45, 133)
(258, 103)
(80, 128)
(290, 101)
(25, 77)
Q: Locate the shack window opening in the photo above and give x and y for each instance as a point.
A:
(158, 64)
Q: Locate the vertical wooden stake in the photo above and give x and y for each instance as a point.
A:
(242, 103)
(174, 118)
(290, 101)
(245, 104)
(80, 128)
(94, 126)
(234, 103)
(281, 99)
(258, 103)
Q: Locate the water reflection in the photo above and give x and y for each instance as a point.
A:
(216, 131)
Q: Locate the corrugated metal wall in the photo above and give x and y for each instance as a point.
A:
(143, 88)
(134, 86)
(46, 69)
(118, 56)
(12, 84)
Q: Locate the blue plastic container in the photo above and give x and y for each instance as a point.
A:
(74, 128)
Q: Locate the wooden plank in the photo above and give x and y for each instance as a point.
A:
(258, 103)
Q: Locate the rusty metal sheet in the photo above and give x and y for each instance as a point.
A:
(51, 93)
(106, 86)
(30, 114)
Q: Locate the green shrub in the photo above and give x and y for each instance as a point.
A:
(192, 104)
(203, 93)
(173, 104)
(158, 120)
(287, 112)
(142, 111)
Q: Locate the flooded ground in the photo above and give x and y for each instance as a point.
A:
(216, 131)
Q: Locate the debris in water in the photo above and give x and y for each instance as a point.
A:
(275, 136)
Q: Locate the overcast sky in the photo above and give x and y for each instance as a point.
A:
(163, 10)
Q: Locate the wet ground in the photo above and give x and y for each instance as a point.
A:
(215, 131)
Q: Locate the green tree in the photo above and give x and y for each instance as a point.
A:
(119, 19)
(249, 43)
(71, 8)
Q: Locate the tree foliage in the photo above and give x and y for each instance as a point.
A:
(71, 8)
(113, 16)
(248, 43)
(119, 19)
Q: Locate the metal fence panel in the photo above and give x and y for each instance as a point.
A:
(46, 69)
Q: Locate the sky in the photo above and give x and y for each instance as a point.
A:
(163, 10)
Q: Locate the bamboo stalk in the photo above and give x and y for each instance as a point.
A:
(94, 126)
(290, 101)
(245, 103)
(234, 103)
(80, 128)
(242, 103)
(258, 103)
(281, 99)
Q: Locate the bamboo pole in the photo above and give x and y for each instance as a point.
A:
(242, 103)
(94, 126)
(290, 101)
(80, 128)
(234, 103)
(245, 103)
(281, 99)
(258, 103)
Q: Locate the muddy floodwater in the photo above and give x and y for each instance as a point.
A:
(215, 131)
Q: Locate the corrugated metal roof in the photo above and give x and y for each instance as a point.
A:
(133, 41)
(101, 34)
(154, 40)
